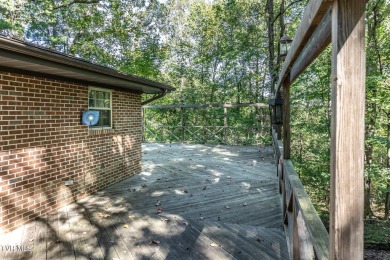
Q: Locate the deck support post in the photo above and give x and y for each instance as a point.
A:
(286, 121)
(276, 114)
(279, 115)
(182, 124)
(225, 124)
(143, 123)
(347, 143)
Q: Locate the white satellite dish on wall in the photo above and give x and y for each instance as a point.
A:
(90, 117)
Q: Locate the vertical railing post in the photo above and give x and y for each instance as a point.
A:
(182, 123)
(143, 123)
(347, 130)
(286, 121)
(279, 115)
(276, 112)
(225, 124)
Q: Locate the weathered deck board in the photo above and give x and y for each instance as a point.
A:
(112, 247)
(27, 241)
(9, 242)
(39, 246)
(217, 202)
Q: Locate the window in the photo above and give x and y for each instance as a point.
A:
(100, 100)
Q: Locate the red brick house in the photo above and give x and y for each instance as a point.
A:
(42, 141)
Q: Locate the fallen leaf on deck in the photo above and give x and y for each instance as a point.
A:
(125, 226)
(214, 244)
(103, 215)
(154, 242)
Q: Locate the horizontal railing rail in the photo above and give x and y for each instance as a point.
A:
(232, 135)
(232, 124)
(307, 236)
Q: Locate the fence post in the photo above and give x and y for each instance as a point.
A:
(143, 124)
(286, 121)
(182, 124)
(225, 124)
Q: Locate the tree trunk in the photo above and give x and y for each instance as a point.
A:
(281, 33)
(367, 198)
(271, 50)
(387, 200)
(372, 106)
(369, 149)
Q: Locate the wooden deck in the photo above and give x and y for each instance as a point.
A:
(190, 202)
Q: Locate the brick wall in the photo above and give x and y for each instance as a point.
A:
(42, 144)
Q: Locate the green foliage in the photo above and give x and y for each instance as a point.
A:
(311, 110)
(377, 234)
(311, 128)
(12, 17)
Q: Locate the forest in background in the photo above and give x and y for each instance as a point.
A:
(223, 51)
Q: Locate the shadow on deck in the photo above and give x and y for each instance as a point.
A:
(190, 202)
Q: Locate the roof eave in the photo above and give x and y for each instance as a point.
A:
(20, 56)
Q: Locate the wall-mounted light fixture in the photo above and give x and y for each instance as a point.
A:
(276, 113)
(285, 43)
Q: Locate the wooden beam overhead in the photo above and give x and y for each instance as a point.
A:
(318, 42)
(312, 16)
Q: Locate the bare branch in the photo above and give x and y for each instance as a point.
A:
(77, 2)
(288, 6)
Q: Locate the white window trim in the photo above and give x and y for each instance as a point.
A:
(98, 108)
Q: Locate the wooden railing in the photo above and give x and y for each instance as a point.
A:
(231, 135)
(341, 23)
(307, 237)
(190, 130)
